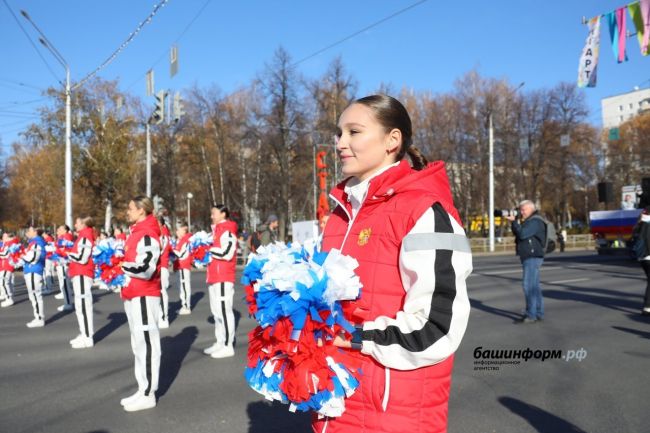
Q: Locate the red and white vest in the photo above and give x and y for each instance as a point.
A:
(395, 200)
(223, 271)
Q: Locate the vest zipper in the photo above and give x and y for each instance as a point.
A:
(350, 219)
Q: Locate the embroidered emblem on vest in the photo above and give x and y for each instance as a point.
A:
(364, 235)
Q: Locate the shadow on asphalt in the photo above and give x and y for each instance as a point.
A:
(176, 305)
(590, 259)
(115, 320)
(57, 316)
(577, 294)
(641, 334)
(264, 417)
(480, 305)
(174, 349)
(539, 419)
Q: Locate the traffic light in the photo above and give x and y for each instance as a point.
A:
(178, 108)
(159, 110)
(157, 203)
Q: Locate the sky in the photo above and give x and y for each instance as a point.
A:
(227, 44)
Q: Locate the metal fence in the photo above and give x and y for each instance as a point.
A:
(573, 242)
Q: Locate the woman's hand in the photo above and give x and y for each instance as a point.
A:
(338, 341)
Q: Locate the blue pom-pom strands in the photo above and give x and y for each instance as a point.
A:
(295, 294)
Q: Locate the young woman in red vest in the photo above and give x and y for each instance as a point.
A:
(183, 265)
(142, 300)
(81, 272)
(221, 281)
(165, 249)
(400, 223)
(7, 269)
(63, 235)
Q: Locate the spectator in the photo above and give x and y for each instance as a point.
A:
(642, 231)
(269, 230)
(530, 233)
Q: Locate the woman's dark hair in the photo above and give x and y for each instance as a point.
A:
(391, 114)
(222, 208)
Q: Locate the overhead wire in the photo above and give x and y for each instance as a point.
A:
(358, 32)
(162, 56)
(128, 40)
(32, 42)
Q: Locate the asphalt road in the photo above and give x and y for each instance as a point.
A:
(592, 303)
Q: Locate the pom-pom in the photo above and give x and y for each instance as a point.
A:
(295, 295)
(199, 245)
(108, 254)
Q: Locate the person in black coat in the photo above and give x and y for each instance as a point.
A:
(642, 231)
(530, 233)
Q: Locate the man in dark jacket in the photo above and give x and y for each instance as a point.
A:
(530, 233)
(268, 231)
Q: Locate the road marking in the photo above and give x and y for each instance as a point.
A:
(569, 281)
(514, 271)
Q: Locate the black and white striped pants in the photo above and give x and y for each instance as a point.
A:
(7, 284)
(64, 284)
(221, 299)
(142, 314)
(83, 304)
(185, 287)
(34, 283)
(164, 296)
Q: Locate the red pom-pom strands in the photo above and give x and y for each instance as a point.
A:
(295, 295)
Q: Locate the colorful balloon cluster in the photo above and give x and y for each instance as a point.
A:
(295, 295)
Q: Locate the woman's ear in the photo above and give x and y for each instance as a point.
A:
(394, 141)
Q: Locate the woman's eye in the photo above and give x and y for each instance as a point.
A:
(353, 131)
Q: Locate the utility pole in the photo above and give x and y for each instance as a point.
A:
(491, 187)
(68, 146)
(148, 131)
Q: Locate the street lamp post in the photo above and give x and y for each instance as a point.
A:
(491, 187)
(491, 178)
(68, 147)
(190, 196)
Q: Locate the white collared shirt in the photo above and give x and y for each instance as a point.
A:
(357, 189)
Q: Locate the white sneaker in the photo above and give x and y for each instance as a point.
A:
(130, 399)
(58, 296)
(83, 343)
(224, 352)
(65, 307)
(36, 323)
(2, 297)
(77, 339)
(210, 350)
(7, 303)
(163, 324)
(141, 403)
(184, 311)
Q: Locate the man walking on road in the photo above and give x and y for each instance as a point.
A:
(530, 233)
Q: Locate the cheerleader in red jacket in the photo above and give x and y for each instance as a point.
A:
(142, 300)
(165, 250)
(81, 272)
(63, 237)
(400, 223)
(9, 243)
(183, 265)
(48, 279)
(221, 281)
